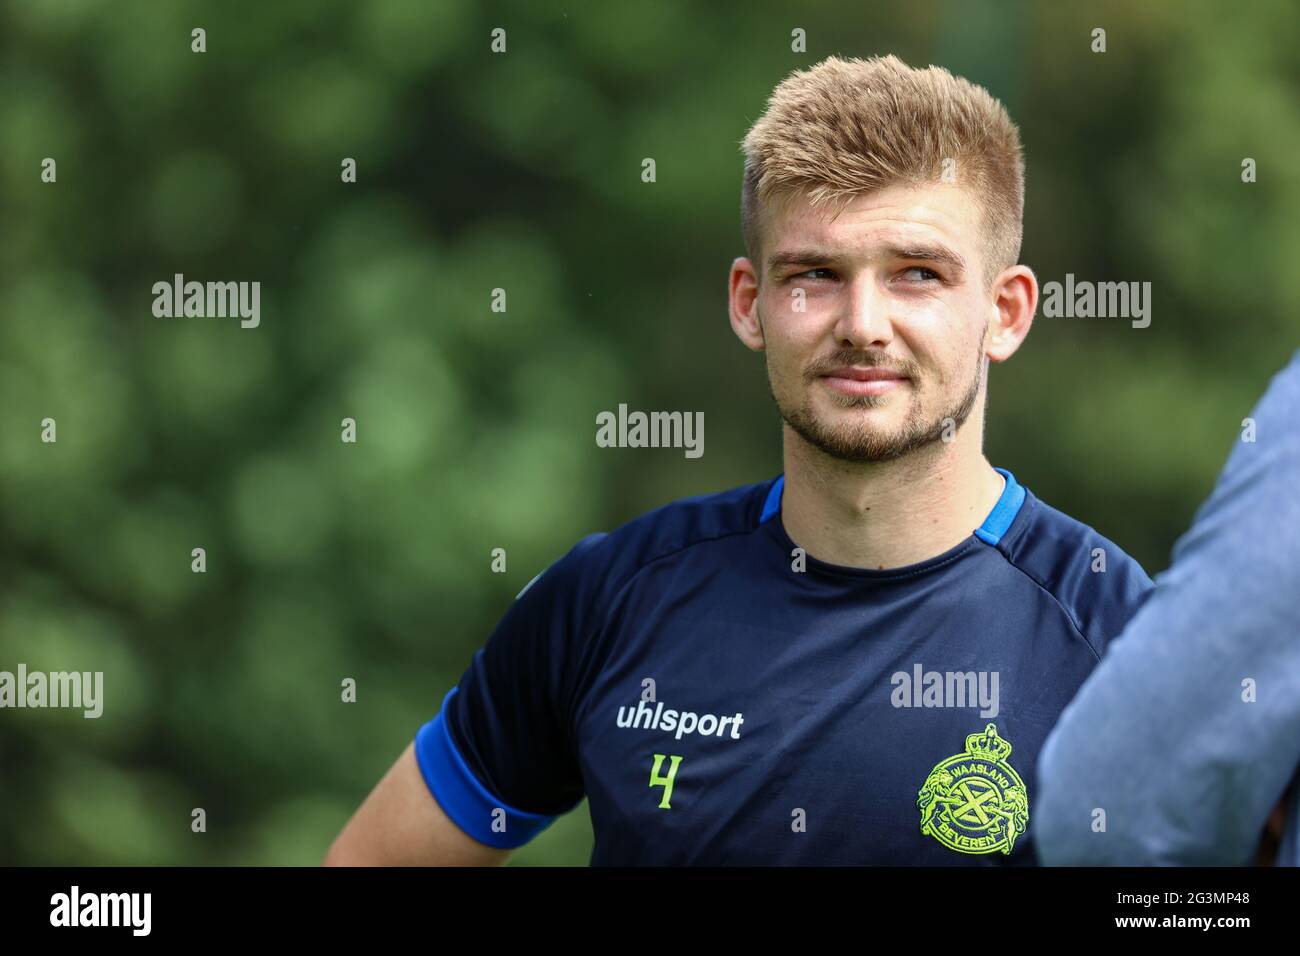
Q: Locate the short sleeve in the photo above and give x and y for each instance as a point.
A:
(500, 756)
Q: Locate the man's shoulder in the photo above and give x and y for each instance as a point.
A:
(614, 557)
(1095, 581)
(1050, 534)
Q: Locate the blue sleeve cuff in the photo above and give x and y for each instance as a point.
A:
(461, 795)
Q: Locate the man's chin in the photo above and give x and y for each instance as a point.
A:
(874, 419)
(851, 441)
(860, 452)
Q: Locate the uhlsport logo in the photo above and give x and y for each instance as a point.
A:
(974, 802)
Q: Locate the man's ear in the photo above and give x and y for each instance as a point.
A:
(1011, 313)
(743, 303)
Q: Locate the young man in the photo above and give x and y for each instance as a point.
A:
(858, 661)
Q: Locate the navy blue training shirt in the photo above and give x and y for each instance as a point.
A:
(721, 698)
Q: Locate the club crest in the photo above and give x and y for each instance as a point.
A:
(975, 802)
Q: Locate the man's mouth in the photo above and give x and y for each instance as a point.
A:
(854, 380)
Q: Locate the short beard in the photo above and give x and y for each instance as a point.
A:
(863, 444)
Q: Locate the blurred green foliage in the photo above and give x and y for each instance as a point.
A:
(476, 429)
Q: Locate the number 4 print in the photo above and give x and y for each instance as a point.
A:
(665, 782)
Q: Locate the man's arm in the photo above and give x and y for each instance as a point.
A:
(497, 763)
(401, 824)
(1188, 732)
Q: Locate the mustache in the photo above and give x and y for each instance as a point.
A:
(843, 357)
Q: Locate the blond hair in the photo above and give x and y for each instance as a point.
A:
(845, 127)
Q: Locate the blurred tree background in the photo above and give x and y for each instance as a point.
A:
(476, 429)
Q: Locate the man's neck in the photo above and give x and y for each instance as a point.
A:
(886, 514)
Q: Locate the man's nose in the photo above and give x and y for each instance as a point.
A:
(864, 323)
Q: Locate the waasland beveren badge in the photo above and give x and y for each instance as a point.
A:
(974, 802)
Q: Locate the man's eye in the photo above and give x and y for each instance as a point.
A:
(927, 274)
(812, 273)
